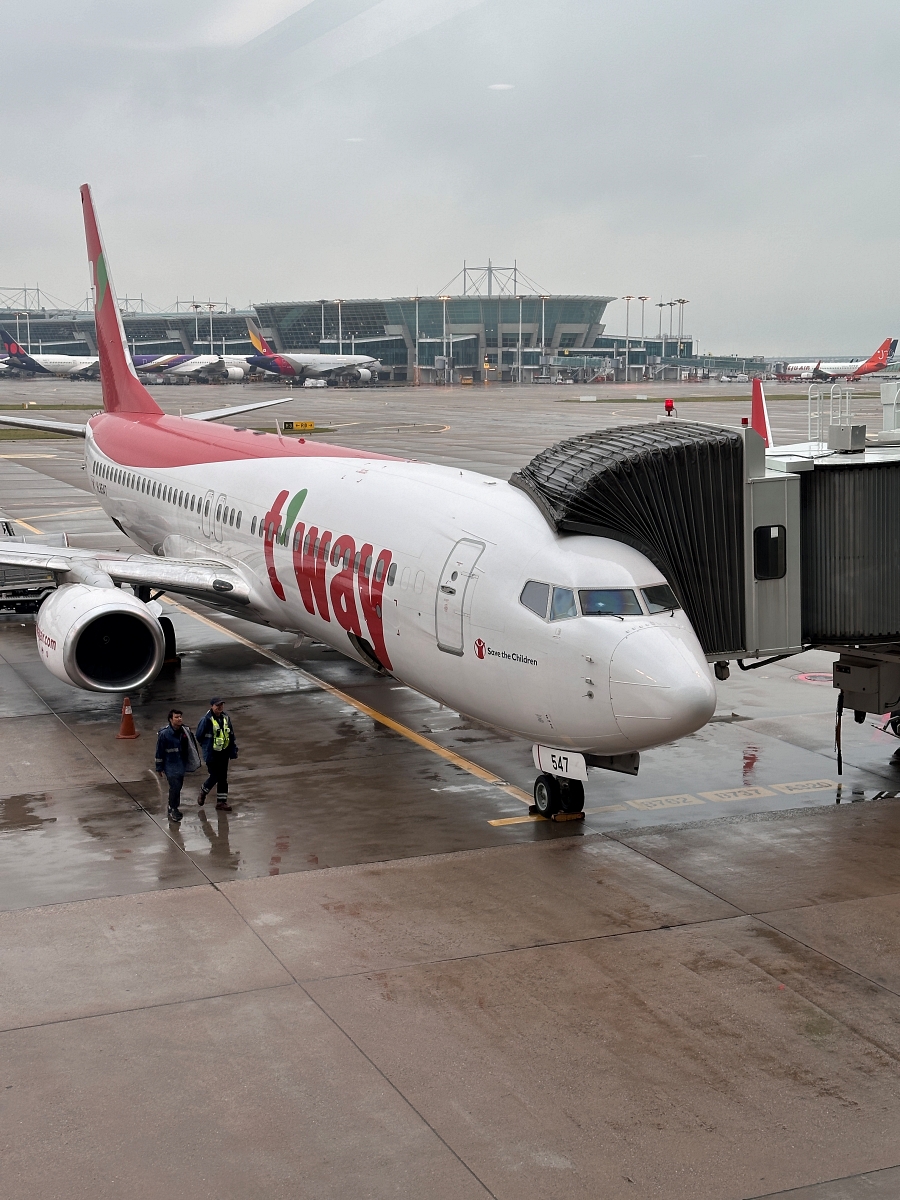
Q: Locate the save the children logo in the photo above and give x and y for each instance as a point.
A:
(485, 651)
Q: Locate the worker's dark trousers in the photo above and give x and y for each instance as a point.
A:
(218, 773)
(176, 781)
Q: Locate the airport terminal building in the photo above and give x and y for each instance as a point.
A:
(424, 339)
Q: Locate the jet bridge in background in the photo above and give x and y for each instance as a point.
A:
(770, 553)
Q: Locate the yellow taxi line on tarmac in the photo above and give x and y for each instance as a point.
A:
(450, 756)
(653, 803)
(33, 528)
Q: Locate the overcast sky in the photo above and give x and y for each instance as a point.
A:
(738, 153)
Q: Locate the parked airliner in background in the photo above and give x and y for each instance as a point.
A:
(301, 364)
(81, 365)
(227, 368)
(449, 580)
(827, 372)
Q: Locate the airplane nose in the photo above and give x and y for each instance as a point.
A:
(660, 688)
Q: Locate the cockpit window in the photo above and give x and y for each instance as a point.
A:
(536, 596)
(563, 604)
(608, 602)
(660, 598)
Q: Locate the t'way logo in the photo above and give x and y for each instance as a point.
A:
(311, 552)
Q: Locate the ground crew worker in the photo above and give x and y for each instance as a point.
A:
(172, 749)
(215, 733)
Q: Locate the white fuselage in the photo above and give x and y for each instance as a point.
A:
(65, 364)
(603, 684)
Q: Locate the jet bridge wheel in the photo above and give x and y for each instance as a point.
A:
(547, 798)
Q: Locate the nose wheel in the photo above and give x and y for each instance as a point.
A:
(553, 795)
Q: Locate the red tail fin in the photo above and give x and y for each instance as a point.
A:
(122, 390)
(759, 414)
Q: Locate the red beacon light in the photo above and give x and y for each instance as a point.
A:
(670, 406)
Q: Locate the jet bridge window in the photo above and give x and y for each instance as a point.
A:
(563, 605)
(608, 602)
(770, 552)
(660, 598)
(536, 596)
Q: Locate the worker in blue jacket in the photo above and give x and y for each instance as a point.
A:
(172, 751)
(215, 733)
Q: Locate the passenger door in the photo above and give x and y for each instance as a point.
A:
(454, 583)
(217, 523)
(208, 513)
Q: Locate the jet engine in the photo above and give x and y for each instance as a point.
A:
(363, 374)
(234, 374)
(99, 638)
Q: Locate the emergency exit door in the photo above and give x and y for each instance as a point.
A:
(450, 606)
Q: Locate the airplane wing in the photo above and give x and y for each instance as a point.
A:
(66, 427)
(200, 579)
(213, 414)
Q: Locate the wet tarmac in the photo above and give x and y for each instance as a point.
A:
(378, 975)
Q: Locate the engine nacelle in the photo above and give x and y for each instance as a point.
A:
(363, 374)
(234, 374)
(102, 639)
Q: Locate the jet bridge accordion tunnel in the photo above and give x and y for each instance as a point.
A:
(764, 561)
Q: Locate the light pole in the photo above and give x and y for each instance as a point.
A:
(544, 336)
(628, 300)
(444, 299)
(520, 340)
(416, 360)
(681, 303)
(643, 300)
(670, 304)
(660, 306)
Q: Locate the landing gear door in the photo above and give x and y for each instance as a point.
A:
(454, 583)
(208, 514)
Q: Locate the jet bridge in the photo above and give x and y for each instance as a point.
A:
(769, 553)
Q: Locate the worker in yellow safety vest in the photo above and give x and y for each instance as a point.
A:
(215, 733)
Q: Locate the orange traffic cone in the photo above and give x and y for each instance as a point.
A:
(127, 729)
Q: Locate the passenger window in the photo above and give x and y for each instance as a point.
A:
(193, 500)
(536, 596)
(392, 574)
(356, 561)
(563, 604)
(231, 518)
(297, 538)
(367, 568)
(253, 526)
(219, 513)
(660, 598)
(238, 521)
(315, 549)
(606, 602)
(404, 578)
(325, 548)
(305, 544)
(420, 582)
(206, 509)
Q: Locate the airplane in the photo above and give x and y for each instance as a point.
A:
(301, 364)
(73, 365)
(228, 368)
(449, 580)
(827, 372)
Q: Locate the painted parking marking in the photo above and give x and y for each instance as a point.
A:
(806, 785)
(742, 793)
(664, 802)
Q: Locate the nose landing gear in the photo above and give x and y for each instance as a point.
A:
(558, 799)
